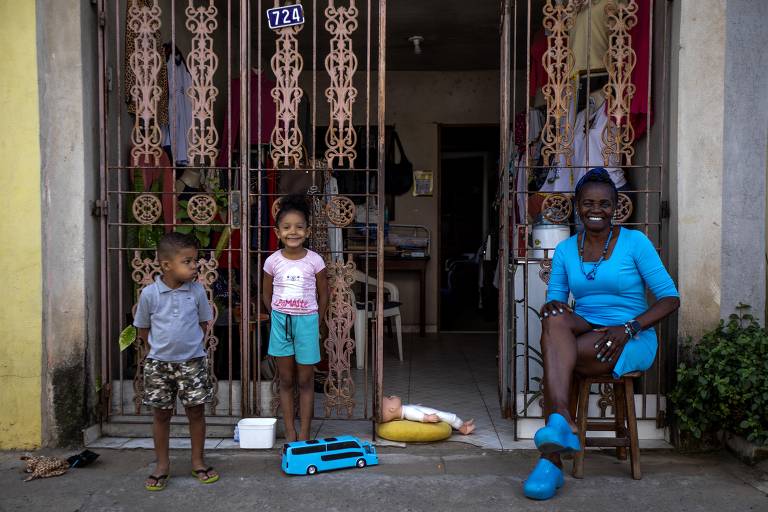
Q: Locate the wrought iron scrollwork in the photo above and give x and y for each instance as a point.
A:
(287, 64)
(341, 64)
(145, 63)
(558, 61)
(620, 60)
(340, 387)
(202, 63)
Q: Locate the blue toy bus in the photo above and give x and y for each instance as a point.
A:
(309, 457)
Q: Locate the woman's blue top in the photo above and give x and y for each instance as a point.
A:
(617, 294)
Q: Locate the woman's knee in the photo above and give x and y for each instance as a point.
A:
(560, 321)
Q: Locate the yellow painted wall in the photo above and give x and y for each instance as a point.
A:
(20, 231)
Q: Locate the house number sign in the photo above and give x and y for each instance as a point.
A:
(285, 16)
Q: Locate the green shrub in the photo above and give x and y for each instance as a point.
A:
(723, 385)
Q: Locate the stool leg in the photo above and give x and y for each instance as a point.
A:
(619, 412)
(634, 447)
(581, 422)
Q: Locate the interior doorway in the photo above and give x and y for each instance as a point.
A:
(468, 228)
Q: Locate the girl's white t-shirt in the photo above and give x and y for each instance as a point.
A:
(294, 286)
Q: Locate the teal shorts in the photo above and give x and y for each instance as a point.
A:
(295, 335)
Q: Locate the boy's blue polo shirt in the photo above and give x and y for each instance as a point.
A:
(173, 318)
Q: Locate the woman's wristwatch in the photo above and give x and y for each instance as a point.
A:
(632, 328)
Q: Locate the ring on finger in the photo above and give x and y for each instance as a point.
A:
(609, 343)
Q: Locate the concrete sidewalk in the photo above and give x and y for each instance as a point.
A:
(445, 476)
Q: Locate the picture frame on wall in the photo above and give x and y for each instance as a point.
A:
(423, 183)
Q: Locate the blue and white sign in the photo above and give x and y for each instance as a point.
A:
(286, 16)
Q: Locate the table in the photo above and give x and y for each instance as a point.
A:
(417, 265)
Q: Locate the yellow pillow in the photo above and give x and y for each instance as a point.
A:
(413, 431)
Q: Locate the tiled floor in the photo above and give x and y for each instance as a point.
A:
(451, 372)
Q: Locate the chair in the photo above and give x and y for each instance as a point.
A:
(624, 424)
(365, 311)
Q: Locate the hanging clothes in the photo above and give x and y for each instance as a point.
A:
(176, 132)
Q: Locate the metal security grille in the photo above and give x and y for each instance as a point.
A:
(578, 76)
(207, 118)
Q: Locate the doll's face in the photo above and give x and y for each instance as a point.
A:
(392, 403)
(391, 408)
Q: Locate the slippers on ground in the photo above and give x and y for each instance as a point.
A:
(160, 482)
(202, 475)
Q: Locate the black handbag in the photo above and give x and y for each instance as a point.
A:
(398, 177)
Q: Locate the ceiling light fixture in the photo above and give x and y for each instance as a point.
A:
(416, 40)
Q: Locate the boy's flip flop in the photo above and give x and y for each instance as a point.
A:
(160, 483)
(200, 473)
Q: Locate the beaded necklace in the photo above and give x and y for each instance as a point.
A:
(591, 275)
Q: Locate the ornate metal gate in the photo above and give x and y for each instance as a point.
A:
(206, 118)
(568, 66)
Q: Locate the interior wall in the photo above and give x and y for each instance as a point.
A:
(416, 103)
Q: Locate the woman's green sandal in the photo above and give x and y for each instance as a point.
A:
(160, 483)
(197, 473)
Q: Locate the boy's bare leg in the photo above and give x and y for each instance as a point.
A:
(161, 429)
(285, 370)
(196, 416)
(306, 399)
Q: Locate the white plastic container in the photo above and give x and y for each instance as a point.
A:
(546, 237)
(257, 432)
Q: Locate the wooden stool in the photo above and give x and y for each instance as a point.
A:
(624, 423)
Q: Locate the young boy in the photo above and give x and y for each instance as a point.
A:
(172, 316)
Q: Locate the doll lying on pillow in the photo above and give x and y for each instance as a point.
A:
(393, 409)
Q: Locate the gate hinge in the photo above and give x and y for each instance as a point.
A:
(102, 19)
(665, 210)
(99, 208)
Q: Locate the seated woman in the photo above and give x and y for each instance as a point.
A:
(607, 269)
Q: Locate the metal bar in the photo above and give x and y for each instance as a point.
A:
(259, 211)
(228, 156)
(663, 353)
(119, 203)
(244, 167)
(367, 165)
(379, 373)
(526, 322)
(503, 314)
(657, 363)
(105, 346)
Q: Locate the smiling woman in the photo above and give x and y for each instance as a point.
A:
(607, 269)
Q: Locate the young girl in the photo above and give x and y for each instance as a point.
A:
(296, 294)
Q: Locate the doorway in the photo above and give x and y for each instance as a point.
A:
(468, 228)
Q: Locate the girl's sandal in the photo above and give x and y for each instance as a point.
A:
(160, 483)
(202, 475)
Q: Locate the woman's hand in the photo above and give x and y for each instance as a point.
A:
(554, 308)
(610, 343)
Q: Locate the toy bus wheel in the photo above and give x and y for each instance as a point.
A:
(311, 470)
(361, 463)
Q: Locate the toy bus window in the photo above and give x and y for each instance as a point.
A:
(304, 450)
(339, 456)
(345, 445)
(367, 449)
(329, 439)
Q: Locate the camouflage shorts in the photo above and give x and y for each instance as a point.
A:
(163, 381)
